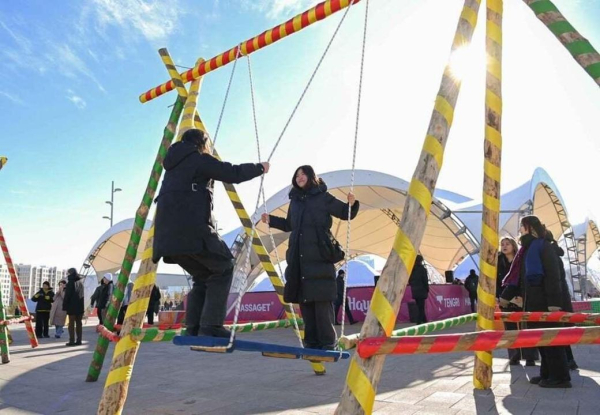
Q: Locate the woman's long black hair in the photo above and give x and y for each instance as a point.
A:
(534, 226)
(313, 180)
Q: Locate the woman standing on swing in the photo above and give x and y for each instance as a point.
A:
(312, 253)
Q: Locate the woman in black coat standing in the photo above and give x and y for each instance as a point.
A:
(186, 232)
(310, 274)
(536, 272)
(73, 304)
(419, 287)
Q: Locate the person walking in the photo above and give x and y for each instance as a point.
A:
(419, 286)
(58, 316)
(471, 284)
(506, 256)
(105, 296)
(94, 300)
(186, 233)
(44, 298)
(312, 253)
(125, 303)
(73, 304)
(535, 271)
(153, 304)
(339, 300)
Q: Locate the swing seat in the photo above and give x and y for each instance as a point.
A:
(204, 344)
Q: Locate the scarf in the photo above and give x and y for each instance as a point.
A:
(514, 272)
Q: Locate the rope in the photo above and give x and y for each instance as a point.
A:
(107, 334)
(237, 55)
(261, 193)
(360, 82)
(15, 320)
(310, 80)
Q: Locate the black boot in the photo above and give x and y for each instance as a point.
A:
(215, 331)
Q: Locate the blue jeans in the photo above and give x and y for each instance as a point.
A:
(59, 331)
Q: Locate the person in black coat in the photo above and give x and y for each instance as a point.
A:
(339, 300)
(567, 304)
(105, 296)
(471, 284)
(539, 279)
(153, 304)
(419, 286)
(73, 304)
(310, 277)
(506, 256)
(185, 231)
(44, 299)
(95, 297)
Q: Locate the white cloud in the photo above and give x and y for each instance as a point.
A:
(12, 97)
(70, 63)
(277, 9)
(154, 20)
(76, 99)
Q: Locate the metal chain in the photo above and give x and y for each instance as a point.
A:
(310, 80)
(360, 82)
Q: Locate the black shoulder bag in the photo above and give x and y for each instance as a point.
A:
(329, 247)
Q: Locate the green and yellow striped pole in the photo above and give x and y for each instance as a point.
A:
(492, 150)
(578, 46)
(134, 241)
(4, 352)
(350, 342)
(117, 382)
(363, 374)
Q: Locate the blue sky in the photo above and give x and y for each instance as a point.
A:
(71, 75)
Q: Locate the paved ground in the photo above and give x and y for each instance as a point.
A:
(173, 380)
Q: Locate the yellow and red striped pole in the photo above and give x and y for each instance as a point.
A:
(17, 289)
(492, 150)
(3, 161)
(294, 25)
(478, 341)
(363, 374)
(549, 317)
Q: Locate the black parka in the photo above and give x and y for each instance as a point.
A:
(73, 303)
(184, 223)
(549, 293)
(309, 211)
(502, 271)
(419, 282)
(44, 300)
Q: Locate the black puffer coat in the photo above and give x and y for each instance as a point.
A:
(44, 300)
(419, 282)
(73, 303)
(549, 293)
(567, 304)
(308, 212)
(184, 223)
(502, 271)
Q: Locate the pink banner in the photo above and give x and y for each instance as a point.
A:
(444, 301)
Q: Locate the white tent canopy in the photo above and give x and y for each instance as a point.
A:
(446, 242)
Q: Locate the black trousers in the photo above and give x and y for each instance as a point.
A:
(319, 331)
(99, 313)
(42, 319)
(422, 318)
(207, 301)
(150, 315)
(554, 363)
(121, 316)
(473, 299)
(527, 353)
(75, 327)
(338, 305)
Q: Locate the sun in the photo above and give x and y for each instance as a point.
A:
(464, 60)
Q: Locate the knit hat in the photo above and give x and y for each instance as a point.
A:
(108, 276)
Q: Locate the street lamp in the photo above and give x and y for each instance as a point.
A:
(111, 203)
